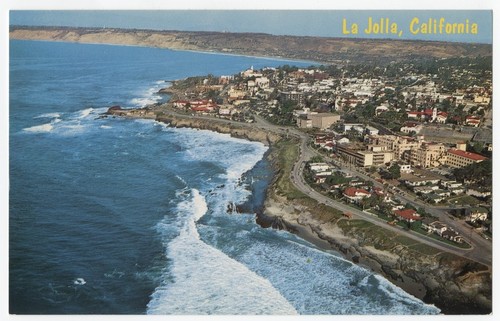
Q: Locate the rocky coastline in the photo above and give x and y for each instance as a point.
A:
(454, 284)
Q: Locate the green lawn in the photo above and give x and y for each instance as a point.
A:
(288, 151)
(463, 200)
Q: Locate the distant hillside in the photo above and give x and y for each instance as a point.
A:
(320, 49)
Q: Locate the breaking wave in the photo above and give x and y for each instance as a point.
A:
(206, 281)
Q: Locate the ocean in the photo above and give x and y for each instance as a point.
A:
(120, 216)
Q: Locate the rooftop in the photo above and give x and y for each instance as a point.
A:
(352, 191)
(408, 214)
(468, 155)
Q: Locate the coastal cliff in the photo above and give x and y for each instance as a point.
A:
(235, 130)
(454, 284)
(321, 49)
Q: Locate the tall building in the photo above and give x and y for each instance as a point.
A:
(364, 158)
(400, 145)
(428, 155)
(323, 120)
(460, 158)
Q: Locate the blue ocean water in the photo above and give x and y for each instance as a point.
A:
(116, 216)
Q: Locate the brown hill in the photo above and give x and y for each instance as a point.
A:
(320, 49)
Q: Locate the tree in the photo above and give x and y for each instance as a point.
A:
(477, 147)
(395, 171)
(316, 159)
(421, 211)
(479, 173)
(365, 202)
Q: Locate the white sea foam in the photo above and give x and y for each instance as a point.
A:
(79, 281)
(49, 115)
(85, 113)
(148, 96)
(71, 124)
(206, 281)
(143, 101)
(397, 294)
(299, 277)
(45, 128)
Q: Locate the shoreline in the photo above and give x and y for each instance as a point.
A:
(222, 53)
(440, 279)
(321, 50)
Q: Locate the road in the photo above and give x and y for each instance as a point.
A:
(481, 250)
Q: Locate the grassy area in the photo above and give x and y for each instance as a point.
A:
(463, 200)
(287, 154)
(358, 224)
(424, 249)
(406, 241)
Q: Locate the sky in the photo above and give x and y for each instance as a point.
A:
(324, 23)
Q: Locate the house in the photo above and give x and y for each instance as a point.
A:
(478, 191)
(357, 127)
(427, 221)
(262, 82)
(343, 140)
(408, 215)
(424, 189)
(434, 198)
(380, 109)
(329, 146)
(425, 115)
(320, 178)
(380, 193)
(180, 103)
(437, 227)
(405, 168)
(353, 194)
(413, 181)
(457, 190)
(450, 184)
(473, 121)
(319, 167)
(452, 236)
(477, 214)
(442, 192)
(409, 127)
(441, 117)
(370, 130)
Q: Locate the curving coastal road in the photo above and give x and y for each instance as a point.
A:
(481, 250)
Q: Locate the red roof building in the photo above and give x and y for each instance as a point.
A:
(472, 121)
(354, 194)
(408, 215)
(459, 158)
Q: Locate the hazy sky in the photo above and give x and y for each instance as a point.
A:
(327, 23)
